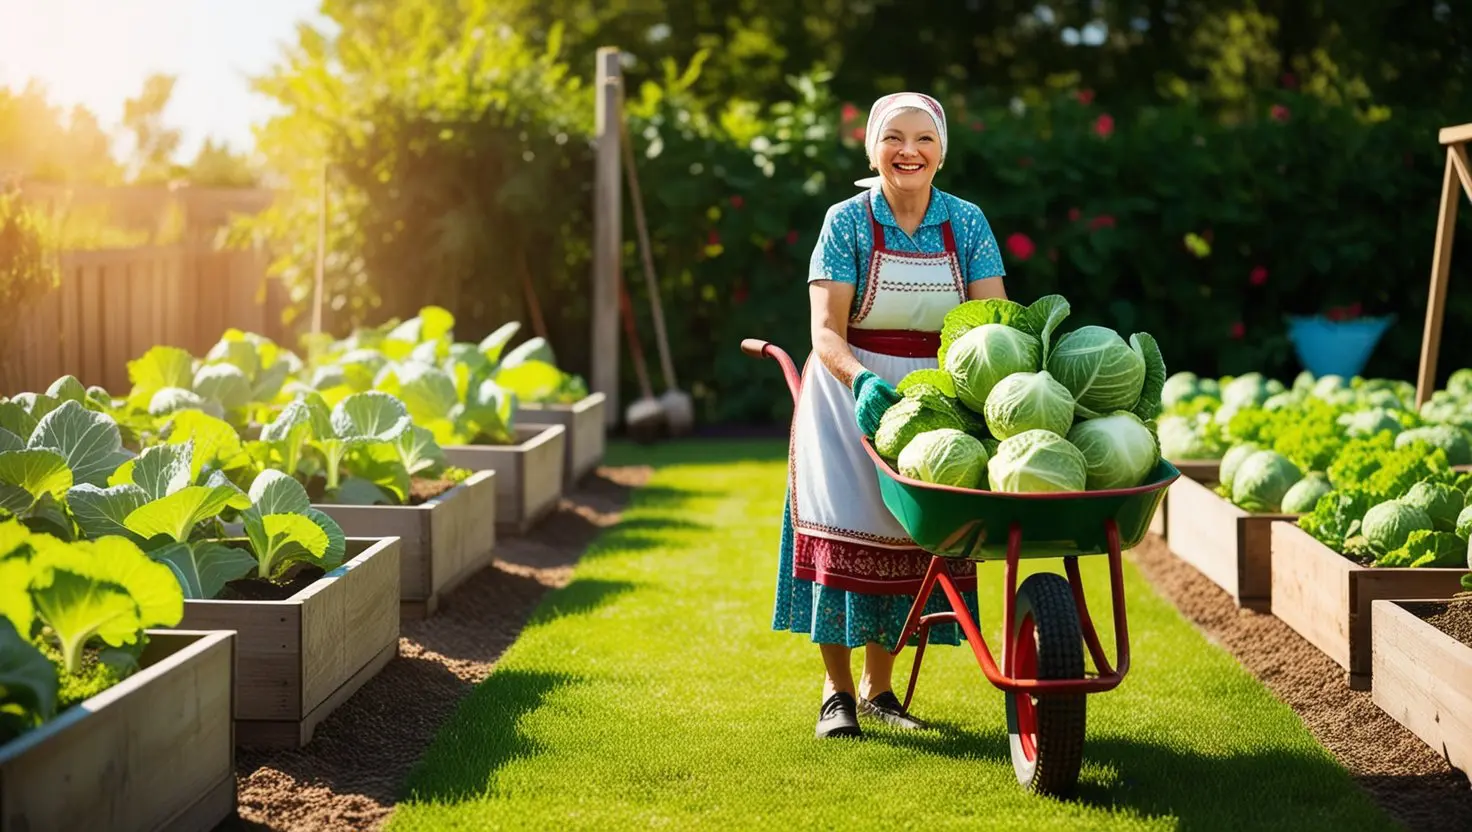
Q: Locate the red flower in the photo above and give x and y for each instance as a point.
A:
(1258, 276)
(1085, 97)
(978, 126)
(713, 238)
(1239, 330)
(1354, 309)
(1335, 313)
(850, 112)
(1101, 221)
(858, 134)
(737, 201)
(1104, 125)
(792, 238)
(1289, 80)
(1019, 245)
(1279, 112)
(1073, 214)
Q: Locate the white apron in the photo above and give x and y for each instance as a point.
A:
(844, 537)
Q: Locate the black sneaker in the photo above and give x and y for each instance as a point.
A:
(837, 718)
(886, 708)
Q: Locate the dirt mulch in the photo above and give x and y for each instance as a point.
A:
(1412, 782)
(348, 777)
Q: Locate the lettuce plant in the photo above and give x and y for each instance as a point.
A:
(367, 436)
(64, 598)
(40, 459)
(178, 514)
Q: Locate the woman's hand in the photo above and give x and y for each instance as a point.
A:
(872, 396)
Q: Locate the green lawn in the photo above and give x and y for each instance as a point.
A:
(651, 692)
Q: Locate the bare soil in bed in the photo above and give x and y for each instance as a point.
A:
(348, 777)
(1404, 775)
(1454, 619)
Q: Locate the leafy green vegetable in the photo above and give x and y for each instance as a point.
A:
(1035, 461)
(1427, 549)
(1119, 451)
(1028, 401)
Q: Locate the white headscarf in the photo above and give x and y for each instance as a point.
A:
(881, 112)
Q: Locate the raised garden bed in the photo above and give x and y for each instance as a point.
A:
(1423, 672)
(1325, 597)
(528, 474)
(304, 651)
(442, 541)
(586, 438)
(1227, 544)
(155, 751)
(1200, 470)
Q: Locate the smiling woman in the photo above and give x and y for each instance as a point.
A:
(888, 266)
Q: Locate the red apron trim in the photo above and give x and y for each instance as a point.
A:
(869, 570)
(901, 343)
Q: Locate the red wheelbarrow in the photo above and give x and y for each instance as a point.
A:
(1043, 674)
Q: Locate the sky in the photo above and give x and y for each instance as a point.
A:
(98, 52)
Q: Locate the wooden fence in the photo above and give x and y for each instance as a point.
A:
(111, 306)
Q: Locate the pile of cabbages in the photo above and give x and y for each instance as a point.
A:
(1016, 407)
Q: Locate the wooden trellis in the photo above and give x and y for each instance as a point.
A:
(1455, 140)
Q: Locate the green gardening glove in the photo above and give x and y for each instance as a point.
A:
(872, 396)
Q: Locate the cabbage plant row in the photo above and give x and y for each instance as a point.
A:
(1015, 406)
(1370, 475)
(113, 509)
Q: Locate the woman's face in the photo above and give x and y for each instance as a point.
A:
(909, 151)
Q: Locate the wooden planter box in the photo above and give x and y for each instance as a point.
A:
(528, 474)
(586, 436)
(1200, 470)
(155, 751)
(1228, 545)
(441, 542)
(1423, 678)
(300, 658)
(1325, 597)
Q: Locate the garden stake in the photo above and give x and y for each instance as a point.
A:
(678, 408)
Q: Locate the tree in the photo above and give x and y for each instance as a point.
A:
(154, 143)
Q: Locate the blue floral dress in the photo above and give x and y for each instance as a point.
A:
(831, 615)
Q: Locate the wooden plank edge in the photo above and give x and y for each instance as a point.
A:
(270, 734)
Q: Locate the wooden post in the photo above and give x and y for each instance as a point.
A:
(318, 292)
(607, 232)
(1455, 175)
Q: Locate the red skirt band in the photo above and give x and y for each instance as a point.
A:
(900, 343)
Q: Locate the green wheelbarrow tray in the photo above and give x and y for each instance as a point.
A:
(975, 524)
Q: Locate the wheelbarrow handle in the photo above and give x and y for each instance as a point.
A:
(757, 348)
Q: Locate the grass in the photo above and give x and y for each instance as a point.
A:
(652, 693)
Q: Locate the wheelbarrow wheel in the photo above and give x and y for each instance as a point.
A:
(1046, 732)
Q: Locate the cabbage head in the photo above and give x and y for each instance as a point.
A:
(1037, 460)
(1232, 460)
(1304, 496)
(1369, 422)
(1327, 387)
(1442, 503)
(986, 355)
(1387, 525)
(1262, 480)
(912, 416)
(1185, 438)
(1119, 451)
(945, 457)
(1449, 438)
(1028, 401)
(1246, 390)
(1179, 388)
(1103, 373)
(1464, 524)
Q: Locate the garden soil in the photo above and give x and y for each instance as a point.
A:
(1409, 780)
(349, 777)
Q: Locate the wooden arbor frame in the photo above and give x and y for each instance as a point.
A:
(1454, 139)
